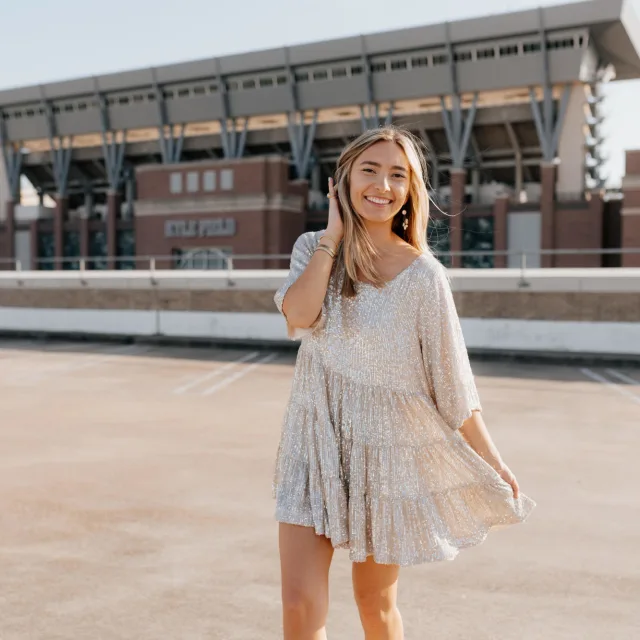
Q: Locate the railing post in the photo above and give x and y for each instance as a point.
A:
(18, 265)
(523, 268)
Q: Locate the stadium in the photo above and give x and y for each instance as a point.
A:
(198, 161)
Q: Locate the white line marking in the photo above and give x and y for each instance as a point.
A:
(616, 387)
(622, 376)
(240, 374)
(216, 372)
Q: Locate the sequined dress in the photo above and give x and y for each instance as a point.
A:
(370, 455)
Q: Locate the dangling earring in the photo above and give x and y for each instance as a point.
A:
(405, 222)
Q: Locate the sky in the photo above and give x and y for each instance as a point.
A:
(48, 40)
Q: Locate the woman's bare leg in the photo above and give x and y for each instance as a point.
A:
(305, 559)
(375, 587)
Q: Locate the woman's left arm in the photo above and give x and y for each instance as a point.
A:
(475, 432)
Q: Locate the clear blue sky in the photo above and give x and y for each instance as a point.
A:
(46, 40)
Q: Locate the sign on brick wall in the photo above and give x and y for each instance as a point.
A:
(212, 227)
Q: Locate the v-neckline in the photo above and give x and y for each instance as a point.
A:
(392, 280)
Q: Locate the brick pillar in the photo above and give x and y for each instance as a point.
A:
(60, 215)
(10, 229)
(500, 211)
(548, 173)
(458, 183)
(113, 213)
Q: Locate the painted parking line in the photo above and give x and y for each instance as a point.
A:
(215, 373)
(623, 391)
(240, 374)
(105, 354)
(622, 377)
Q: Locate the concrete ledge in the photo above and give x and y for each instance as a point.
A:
(535, 280)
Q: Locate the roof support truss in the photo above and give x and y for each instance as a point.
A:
(113, 149)
(301, 137)
(12, 161)
(60, 152)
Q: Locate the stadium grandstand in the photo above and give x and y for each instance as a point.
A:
(231, 155)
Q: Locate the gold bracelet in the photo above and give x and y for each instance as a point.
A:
(326, 249)
(326, 235)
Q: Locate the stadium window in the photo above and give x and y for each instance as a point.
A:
(5, 116)
(123, 100)
(423, 61)
(30, 113)
(357, 69)
(175, 182)
(302, 76)
(508, 50)
(226, 179)
(339, 72)
(232, 85)
(151, 97)
(440, 58)
(168, 95)
(266, 82)
(281, 80)
(209, 180)
(199, 90)
(82, 106)
(17, 115)
(213, 88)
(193, 181)
(138, 97)
(531, 47)
(184, 93)
(484, 54)
(378, 67)
(249, 84)
(321, 74)
(462, 56)
(581, 41)
(398, 65)
(55, 109)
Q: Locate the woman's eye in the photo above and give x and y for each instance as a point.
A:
(367, 170)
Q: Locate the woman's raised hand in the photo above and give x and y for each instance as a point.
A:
(335, 228)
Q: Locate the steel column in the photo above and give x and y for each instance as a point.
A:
(458, 128)
(170, 143)
(301, 138)
(518, 154)
(112, 149)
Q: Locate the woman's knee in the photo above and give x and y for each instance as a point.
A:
(376, 607)
(304, 604)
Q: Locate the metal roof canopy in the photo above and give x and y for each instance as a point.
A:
(613, 24)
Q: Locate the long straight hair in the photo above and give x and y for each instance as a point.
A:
(357, 253)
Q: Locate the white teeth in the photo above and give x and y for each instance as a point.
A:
(378, 200)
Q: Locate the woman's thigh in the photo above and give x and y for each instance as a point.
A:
(305, 560)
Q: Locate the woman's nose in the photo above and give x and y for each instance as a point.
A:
(383, 183)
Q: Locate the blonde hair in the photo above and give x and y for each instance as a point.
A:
(357, 252)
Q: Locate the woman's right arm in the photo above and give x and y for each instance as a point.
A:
(303, 301)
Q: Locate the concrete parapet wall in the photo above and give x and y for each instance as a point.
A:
(573, 311)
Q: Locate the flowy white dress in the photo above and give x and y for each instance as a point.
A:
(370, 454)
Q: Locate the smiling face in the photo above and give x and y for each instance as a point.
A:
(379, 182)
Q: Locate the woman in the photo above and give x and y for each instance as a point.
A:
(383, 450)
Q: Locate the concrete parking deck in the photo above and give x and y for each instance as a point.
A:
(135, 502)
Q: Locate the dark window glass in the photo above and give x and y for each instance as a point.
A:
(71, 240)
(357, 69)
(98, 250)
(440, 58)
(483, 54)
(46, 251)
(420, 62)
(477, 235)
(531, 47)
(321, 74)
(438, 239)
(266, 82)
(302, 76)
(398, 65)
(282, 80)
(249, 84)
(462, 56)
(509, 50)
(125, 248)
(338, 72)
(378, 67)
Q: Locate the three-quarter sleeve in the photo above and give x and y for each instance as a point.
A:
(300, 256)
(444, 352)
